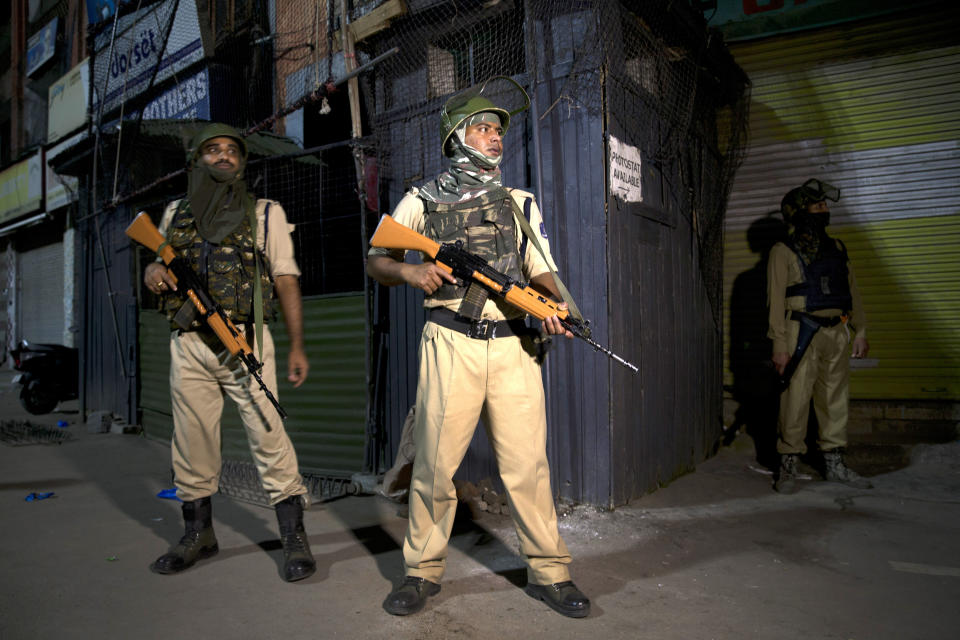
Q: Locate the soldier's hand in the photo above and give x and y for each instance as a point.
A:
(553, 326)
(780, 361)
(157, 279)
(860, 348)
(427, 277)
(297, 367)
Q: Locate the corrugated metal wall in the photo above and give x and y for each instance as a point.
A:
(874, 108)
(666, 419)
(327, 414)
(108, 349)
(577, 379)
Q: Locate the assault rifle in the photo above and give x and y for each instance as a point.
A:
(454, 259)
(191, 289)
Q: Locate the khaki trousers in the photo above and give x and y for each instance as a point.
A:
(461, 380)
(200, 377)
(824, 375)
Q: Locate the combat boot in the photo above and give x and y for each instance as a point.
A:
(298, 562)
(198, 540)
(837, 471)
(787, 475)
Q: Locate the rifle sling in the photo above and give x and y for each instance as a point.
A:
(529, 233)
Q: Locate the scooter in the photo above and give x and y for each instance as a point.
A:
(48, 375)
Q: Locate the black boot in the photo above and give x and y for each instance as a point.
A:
(198, 540)
(410, 596)
(835, 470)
(787, 475)
(562, 597)
(298, 562)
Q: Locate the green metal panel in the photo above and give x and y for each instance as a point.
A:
(327, 414)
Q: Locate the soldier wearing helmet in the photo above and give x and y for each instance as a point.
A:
(477, 357)
(813, 303)
(240, 247)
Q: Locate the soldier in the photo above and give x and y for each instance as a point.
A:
(814, 301)
(477, 358)
(241, 248)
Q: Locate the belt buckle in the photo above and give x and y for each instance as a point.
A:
(482, 330)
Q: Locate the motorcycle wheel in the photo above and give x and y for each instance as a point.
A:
(37, 399)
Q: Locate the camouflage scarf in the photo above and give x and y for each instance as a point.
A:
(471, 173)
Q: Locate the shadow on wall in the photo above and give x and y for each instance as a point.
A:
(754, 378)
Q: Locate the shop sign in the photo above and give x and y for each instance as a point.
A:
(21, 188)
(41, 46)
(67, 102)
(125, 66)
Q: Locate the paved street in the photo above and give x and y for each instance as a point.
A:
(716, 554)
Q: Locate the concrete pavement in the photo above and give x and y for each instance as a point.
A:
(716, 554)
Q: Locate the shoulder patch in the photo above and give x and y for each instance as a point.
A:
(543, 229)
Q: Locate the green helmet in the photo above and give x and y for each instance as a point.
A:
(811, 192)
(452, 119)
(476, 99)
(214, 130)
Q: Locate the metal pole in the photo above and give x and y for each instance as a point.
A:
(353, 88)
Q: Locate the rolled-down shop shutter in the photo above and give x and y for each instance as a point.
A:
(872, 107)
(40, 304)
(327, 414)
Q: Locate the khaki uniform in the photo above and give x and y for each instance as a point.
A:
(202, 372)
(461, 380)
(824, 372)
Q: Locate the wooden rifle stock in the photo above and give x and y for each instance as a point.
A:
(390, 234)
(146, 233)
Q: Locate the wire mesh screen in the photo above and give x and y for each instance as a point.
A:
(650, 68)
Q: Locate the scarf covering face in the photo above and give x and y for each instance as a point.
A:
(471, 173)
(218, 198)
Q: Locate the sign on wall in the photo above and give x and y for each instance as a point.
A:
(189, 99)
(21, 188)
(126, 68)
(98, 10)
(41, 46)
(625, 177)
(67, 102)
(743, 19)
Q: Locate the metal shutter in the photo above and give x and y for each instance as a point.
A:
(40, 308)
(874, 108)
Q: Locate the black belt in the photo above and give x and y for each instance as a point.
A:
(823, 322)
(478, 329)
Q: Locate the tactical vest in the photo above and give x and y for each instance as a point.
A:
(228, 270)
(825, 280)
(487, 229)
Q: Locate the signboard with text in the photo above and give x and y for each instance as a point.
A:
(125, 68)
(67, 102)
(744, 19)
(21, 188)
(41, 46)
(625, 175)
